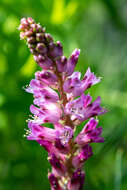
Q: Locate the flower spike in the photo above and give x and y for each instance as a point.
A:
(59, 99)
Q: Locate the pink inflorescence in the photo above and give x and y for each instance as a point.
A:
(59, 99)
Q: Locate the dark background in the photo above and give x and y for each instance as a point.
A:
(99, 29)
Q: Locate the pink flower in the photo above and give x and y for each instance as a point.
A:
(41, 92)
(48, 113)
(46, 77)
(76, 86)
(83, 154)
(82, 108)
(58, 137)
(90, 133)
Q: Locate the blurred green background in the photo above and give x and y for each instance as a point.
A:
(99, 29)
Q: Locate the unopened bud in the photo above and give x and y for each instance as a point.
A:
(41, 48)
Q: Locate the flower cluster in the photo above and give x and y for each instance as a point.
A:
(59, 99)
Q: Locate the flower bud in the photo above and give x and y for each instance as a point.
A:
(77, 180)
(48, 38)
(31, 40)
(72, 61)
(41, 48)
(40, 37)
(61, 63)
(55, 50)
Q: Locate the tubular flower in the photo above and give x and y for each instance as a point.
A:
(59, 99)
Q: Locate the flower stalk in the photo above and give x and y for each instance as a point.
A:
(60, 98)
